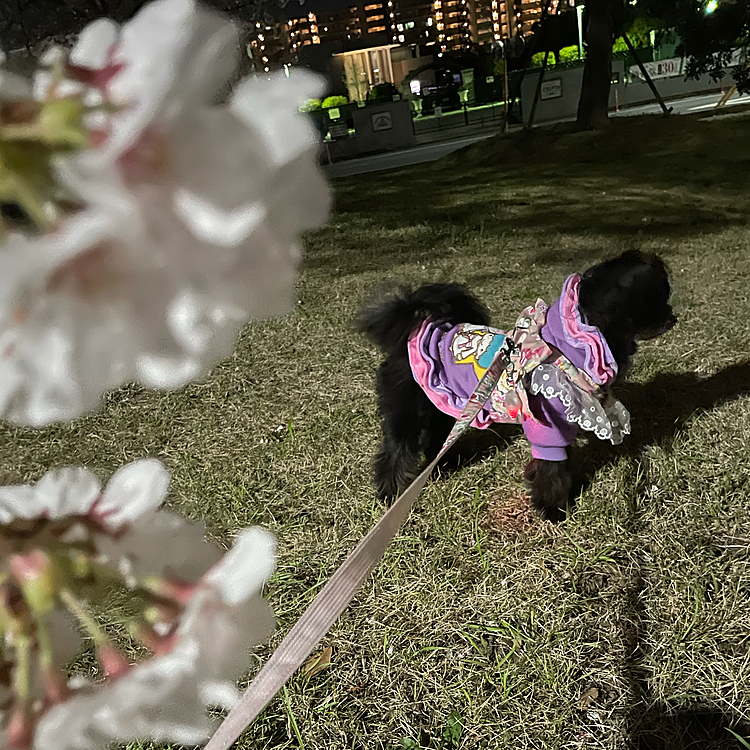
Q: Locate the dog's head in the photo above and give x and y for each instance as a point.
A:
(627, 297)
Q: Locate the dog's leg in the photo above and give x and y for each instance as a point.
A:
(402, 410)
(439, 427)
(396, 464)
(550, 484)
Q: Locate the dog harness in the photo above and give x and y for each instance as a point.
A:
(555, 384)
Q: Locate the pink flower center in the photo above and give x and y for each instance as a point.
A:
(97, 77)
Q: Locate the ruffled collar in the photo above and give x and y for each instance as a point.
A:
(582, 344)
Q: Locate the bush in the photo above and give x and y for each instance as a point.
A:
(566, 54)
(334, 101)
(569, 54)
(310, 105)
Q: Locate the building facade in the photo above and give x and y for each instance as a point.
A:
(369, 24)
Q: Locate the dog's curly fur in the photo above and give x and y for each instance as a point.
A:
(626, 298)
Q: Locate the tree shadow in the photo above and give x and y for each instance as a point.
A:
(404, 217)
(664, 728)
(659, 409)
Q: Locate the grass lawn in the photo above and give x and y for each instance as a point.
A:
(627, 626)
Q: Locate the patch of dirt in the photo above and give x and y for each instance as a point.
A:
(511, 515)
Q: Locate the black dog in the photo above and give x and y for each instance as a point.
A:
(598, 319)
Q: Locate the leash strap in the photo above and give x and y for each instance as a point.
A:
(343, 586)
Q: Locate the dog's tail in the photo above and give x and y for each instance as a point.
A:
(390, 322)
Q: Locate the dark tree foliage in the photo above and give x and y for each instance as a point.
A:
(709, 32)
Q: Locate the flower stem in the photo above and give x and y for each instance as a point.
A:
(22, 672)
(79, 611)
(113, 662)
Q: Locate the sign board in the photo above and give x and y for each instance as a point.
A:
(361, 104)
(438, 111)
(489, 79)
(659, 69)
(396, 97)
(334, 113)
(552, 89)
(467, 76)
(382, 121)
(338, 130)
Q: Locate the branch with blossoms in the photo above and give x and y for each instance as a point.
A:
(142, 225)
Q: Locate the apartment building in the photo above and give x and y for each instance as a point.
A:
(449, 24)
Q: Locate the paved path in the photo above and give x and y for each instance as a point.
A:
(434, 151)
(403, 158)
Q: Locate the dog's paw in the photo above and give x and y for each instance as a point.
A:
(550, 485)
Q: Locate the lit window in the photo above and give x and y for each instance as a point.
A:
(410, 25)
(401, 37)
(430, 21)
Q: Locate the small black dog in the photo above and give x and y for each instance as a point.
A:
(438, 343)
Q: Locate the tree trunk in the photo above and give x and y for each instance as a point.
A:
(593, 106)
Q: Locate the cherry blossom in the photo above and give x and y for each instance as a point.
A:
(65, 539)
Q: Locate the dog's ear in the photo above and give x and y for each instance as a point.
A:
(626, 295)
(603, 298)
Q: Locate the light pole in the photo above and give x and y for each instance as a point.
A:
(579, 16)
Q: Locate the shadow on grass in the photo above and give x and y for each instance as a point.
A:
(431, 212)
(658, 410)
(662, 728)
(644, 180)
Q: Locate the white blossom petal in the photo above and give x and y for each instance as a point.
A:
(134, 491)
(245, 568)
(173, 53)
(271, 108)
(65, 492)
(163, 543)
(165, 699)
(95, 43)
